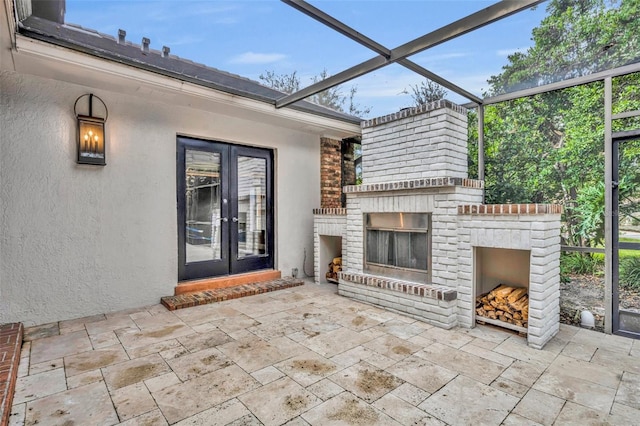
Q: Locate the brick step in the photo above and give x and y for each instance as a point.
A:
(195, 298)
(10, 346)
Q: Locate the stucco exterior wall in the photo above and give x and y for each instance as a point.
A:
(80, 240)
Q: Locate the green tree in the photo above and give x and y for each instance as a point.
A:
(577, 37)
(426, 92)
(549, 147)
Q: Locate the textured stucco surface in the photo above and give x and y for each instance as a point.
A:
(79, 240)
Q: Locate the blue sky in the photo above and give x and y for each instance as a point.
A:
(251, 37)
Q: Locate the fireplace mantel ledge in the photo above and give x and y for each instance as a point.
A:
(426, 183)
(431, 291)
(509, 209)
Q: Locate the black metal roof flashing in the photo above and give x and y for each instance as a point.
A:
(107, 47)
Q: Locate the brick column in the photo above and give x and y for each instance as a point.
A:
(348, 168)
(10, 345)
(330, 173)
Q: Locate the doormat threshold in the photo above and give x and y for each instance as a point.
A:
(196, 298)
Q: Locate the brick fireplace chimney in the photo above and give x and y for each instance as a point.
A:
(429, 141)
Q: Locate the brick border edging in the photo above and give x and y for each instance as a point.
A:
(330, 212)
(188, 300)
(10, 345)
(413, 111)
(430, 291)
(418, 183)
(509, 209)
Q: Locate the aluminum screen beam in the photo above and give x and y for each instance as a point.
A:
(340, 27)
(627, 114)
(576, 81)
(358, 37)
(460, 27)
(441, 81)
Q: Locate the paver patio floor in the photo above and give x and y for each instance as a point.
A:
(308, 356)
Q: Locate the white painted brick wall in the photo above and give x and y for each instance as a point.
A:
(427, 145)
(537, 233)
(437, 312)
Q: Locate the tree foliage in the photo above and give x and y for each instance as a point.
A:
(333, 98)
(550, 147)
(426, 92)
(285, 83)
(577, 37)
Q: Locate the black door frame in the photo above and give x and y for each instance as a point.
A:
(229, 263)
(250, 263)
(617, 138)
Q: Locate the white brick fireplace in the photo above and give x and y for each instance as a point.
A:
(415, 161)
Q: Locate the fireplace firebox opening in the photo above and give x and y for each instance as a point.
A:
(501, 281)
(398, 245)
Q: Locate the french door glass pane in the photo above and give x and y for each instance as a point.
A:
(252, 204)
(202, 205)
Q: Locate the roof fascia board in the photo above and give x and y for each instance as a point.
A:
(448, 32)
(83, 62)
(358, 37)
(577, 81)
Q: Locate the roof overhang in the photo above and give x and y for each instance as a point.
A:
(49, 61)
(29, 55)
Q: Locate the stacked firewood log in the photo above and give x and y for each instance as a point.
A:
(504, 303)
(334, 267)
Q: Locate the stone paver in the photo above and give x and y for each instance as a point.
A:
(177, 402)
(470, 365)
(466, 401)
(629, 390)
(287, 399)
(422, 373)
(130, 372)
(59, 346)
(307, 368)
(39, 385)
(187, 367)
(85, 405)
(306, 356)
(539, 407)
(366, 381)
(405, 413)
(132, 401)
(347, 409)
(92, 360)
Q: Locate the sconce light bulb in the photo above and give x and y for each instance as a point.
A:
(95, 138)
(90, 132)
(86, 137)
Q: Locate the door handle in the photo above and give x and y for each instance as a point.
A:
(224, 219)
(234, 219)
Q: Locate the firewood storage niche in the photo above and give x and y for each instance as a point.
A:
(501, 281)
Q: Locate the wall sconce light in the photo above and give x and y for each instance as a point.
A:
(91, 134)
